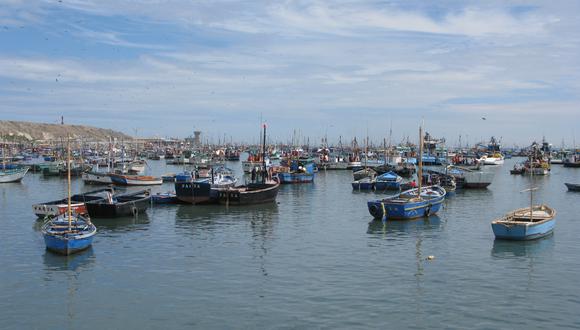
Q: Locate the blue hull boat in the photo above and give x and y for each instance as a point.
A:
(407, 205)
(165, 198)
(61, 238)
(285, 177)
(363, 184)
(519, 225)
(388, 181)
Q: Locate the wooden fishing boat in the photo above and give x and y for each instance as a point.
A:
(201, 190)
(573, 186)
(252, 193)
(388, 181)
(59, 207)
(119, 205)
(296, 172)
(135, 180)
(525, 223)
(410, 204)
(70, 233)
(517, 170)
(470, 179)
(96, 178)
(165, 198)
(363, 173)
(363, 184)
(12, 175)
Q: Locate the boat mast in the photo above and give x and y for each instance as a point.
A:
(420, 170)
(68, 179)
(531, 189)
(264, 156)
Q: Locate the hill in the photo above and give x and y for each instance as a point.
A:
(22, 130)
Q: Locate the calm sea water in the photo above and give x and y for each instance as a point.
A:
(316, 259)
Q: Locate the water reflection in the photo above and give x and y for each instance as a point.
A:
(403, 227)
(505, 249)
(138, 222)
(54, 263)
(70, 267)
(208, 217)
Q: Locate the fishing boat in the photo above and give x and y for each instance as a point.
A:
(194, 190)
(388, 181)
(93, 177)
(118, 205)
(538, 162)
(165, 198)
(12, 175)
(468, 178)
(573, 186)
(366, 183)
(296, 172)
(135, 180)
(169, 177)
(410, 204)
(526, 223)
(572, 161)
(264, 191)
(77, 203)
(70, 233)
(493, 154)
(517, 170)
(253, 161)
(364, 173)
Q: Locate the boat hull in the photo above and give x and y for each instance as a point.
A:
(96, 178)
(65, 246)
(16, 175)
(59, 240)
(125, 205)
(523, 232)
(287, 178)
(393, 209)
(572, 186)
(126, 180)
(254, 194)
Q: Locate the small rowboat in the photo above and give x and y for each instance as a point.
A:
(573, 186)
(526, 223)
(135, 180)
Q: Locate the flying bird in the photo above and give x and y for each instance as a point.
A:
(483, 118)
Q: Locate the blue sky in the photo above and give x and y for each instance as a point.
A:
(165, 68)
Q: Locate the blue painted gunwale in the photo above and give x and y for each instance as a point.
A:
(58, 240)
(399, 207)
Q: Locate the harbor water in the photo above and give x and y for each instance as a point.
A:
(315, 259)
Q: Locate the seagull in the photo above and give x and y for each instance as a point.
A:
(483, 118)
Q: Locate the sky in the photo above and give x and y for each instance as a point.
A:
(465, 70)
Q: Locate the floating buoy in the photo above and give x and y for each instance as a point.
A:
(431, 258)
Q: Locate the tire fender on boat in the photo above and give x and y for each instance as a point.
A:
(374, 210)
(135, 211)
(428, 210)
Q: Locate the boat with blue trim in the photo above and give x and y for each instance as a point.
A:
(70, 233)
(195, 190)
(388, 181)
(410, 204)
(526, 223)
